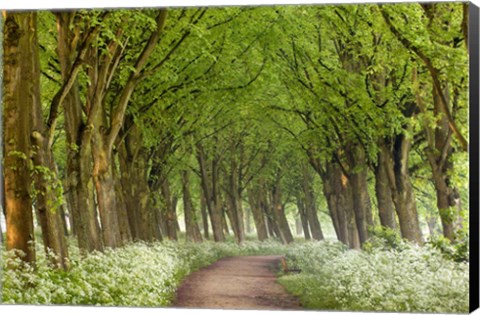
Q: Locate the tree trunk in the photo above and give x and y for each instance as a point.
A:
(210, 191)
(224, 219)
(63, 217)
(162, 218)
(141, 211)
(105, 188)
(248, 221)
(272, 224)
(341, 201)
(310, 203)
(338, 192)
(232, 218)
(102, 151)
(72, 114)
(123, 225)
(130, 183)
(361, 200)
(69, 213)
(19, 100)
(439, 155)
(336, 214)
(168, 209)
(258, 215)
(386, 209)
(156, 226)
(234, 207)
(403, 195)
(240, 216)
(79, 183)
(191, 225)
(445, 205)
(303, 217)
(47, 186)
(266, 206)
(174, 207)
(81, 191)
(86, 217)
(203, 208)
(279, 215)
(48, 207)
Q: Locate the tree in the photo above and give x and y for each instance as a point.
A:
(138, 113)
(445, 24)
(21, 95)
(75, 36)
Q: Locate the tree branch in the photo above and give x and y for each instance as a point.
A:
(433, 73)
(60, 96)
(119, 112)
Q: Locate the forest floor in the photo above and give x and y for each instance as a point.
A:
(239, 282)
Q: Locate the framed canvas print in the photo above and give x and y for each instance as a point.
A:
(198, 157)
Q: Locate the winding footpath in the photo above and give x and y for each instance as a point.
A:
(240, 282)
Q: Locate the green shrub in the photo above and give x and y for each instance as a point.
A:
(138, 274)
(384, 238)
(458, 251)
(332, 277)
(412, 279)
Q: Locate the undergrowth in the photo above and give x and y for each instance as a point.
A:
(383, 277)
(138, 274)
(405, 278)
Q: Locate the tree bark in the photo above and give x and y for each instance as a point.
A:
(169, 209)
(361, 200)
(208, 179)
(191, 225)
(232, 218)
(141, 211)
(336, 214)
(266, 204)
(340, 201)
(19, 100)
(129, 184)
(258, 215)
(105, 188)
(123, 224)
(248, 221)
(48, 198)
(338, 192)
(403, 195)
(203, 208)
(79, 183)
(310, 203)
(234, 207)
(224, 218)
(303, 217)
(102, 150)
(386, 209)
(278, 212)
(438, 154)
(86, 218)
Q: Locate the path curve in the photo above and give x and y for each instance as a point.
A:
(239, 282)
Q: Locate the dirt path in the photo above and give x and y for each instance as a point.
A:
(241, 282)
